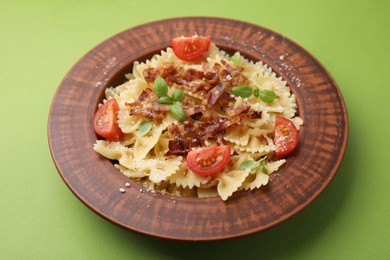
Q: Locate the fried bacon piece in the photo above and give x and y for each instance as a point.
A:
(233, 71)
(214, 95)
(194, 133)
(195, 112)
(191, 80)
(177, 147)
(226, 97)
(214, 127)
(187, 75)
(167, 69)
(235, 111)
(147, 105)
(184, 139)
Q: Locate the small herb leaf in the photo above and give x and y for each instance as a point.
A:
(256, 92)
(252, 165)
(242, 91)
(262, 162)
(249, 164)
(160, 87)
(177, 95)
(236, 59)
(177, 111)
(144, 127)
(267, 95)
(165, 100)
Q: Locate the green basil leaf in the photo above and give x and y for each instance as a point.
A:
(177, 111)
(242, 91)
(165, 100)
(262, 162)
(144, 127)
(236, 59)
(249, 164)
(160, 87)
(177, 95)
(256, 92)
(267, 95)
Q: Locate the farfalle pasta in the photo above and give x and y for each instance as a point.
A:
(171, 108)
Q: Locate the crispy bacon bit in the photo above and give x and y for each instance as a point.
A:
(237, 78)
(249, 115)
(232, 71)
(197, 116)
(150, 74)
(195, 112)
(147, 105)
(175, 131)
(184, 139)
(177, 147)
(255, 115)
(195, 133)
(213, 128)
(141, 99)
(211, 73)
(216, 93)
(189, 74)
(191, 80)
(226, 97)
(235, 111)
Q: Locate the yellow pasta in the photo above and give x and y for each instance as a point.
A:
(110, 150)
(239, 136)
(207, 192)
(156, 169)
(230, 182)
(186, 178)
(130, 173)
(144, 144)
(255, 145)
(260, 179)
(128, 123)
(162, 145)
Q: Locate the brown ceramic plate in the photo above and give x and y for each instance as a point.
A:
(95, 181)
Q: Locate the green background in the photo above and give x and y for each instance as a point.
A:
(41, 219)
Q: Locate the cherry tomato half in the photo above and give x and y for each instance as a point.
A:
(190, 48)
(105, 122)
(208, 160)
(286, 136)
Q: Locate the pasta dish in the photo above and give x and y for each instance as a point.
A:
(195, 121)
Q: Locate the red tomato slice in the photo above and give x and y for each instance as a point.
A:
(190, 48)
(105, 122)
(286, 136)
(208, 160)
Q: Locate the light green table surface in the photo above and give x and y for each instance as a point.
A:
(41, 219)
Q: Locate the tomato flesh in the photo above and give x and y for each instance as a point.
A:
(208, 160)
(190, 48)
(286, 136)
(105, 121)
